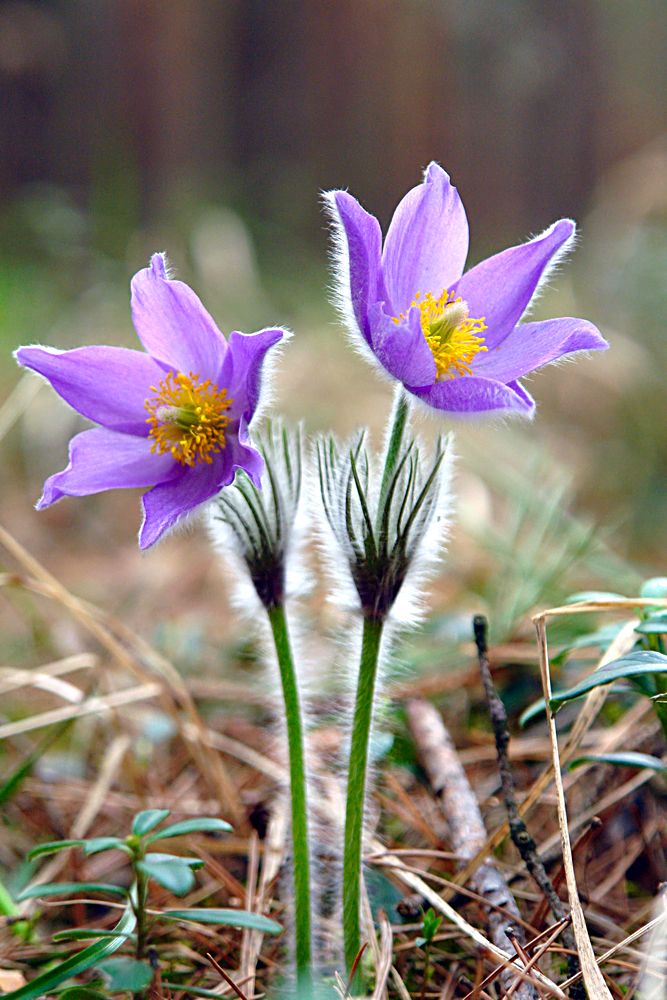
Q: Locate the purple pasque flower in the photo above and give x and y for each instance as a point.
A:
(174, 419)
(454, 340)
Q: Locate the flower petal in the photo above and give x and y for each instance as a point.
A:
(172, 323)
(427, 242)
(242, 369)
(358, 250)
(170, 502)
(106, 384)
(531, 345)
(403, 350)
(473, 395)
(501, 287)
(100, 459)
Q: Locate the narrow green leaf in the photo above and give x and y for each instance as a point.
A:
(98, 844)
(532, 712)
(197, 991)
(52, 847)
(171, 875)
(202, 824)
(126, 974)
(602, 638)
(82, 993)
(625, 758)
(69, 889)
(87, 934)
(634, 666)
(655, 625)
(227, 918)
(194, 863)
(147, 820)
(655, 587)
(594, 596)
(72, 966)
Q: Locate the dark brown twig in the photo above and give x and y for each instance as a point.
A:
(521, 837)
(221, 972)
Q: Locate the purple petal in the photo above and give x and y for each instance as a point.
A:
(427, 242)
(472, 395)
(173, 325)
(359, 253)
(245, 457)
(100, 459)
(403, 350)
(501, 287)
(106, 384)
(242, 370)
(168, 503)
(532, 345)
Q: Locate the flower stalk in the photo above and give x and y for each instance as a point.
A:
(260, 525)
(297, 770)
(356, 784)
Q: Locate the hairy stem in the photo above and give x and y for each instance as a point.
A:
(356, 784)
(297, 769)
(399, 419)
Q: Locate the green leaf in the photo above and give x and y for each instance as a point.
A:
(655, 625)
(626, 758)
(172, 875)
(202, 824)
(635, 666)
(227, 918)
(72, 966)
(147, 820)
(52, 847)
(98, 844)
(197, 991)
(69, 889)
(655, 587)
(594, 596)
(126, 974)
(602, 637)
(430, 925)
(530, 713)
(87, 934)
(82, 993)
(194, 863)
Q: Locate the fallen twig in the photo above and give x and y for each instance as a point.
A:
(466, 827)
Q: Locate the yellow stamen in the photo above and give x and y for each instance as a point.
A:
(451, 334)
(188, 418)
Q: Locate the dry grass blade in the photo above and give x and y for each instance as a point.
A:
(84, 820)
(383, 963)
(17, 402)
(417, 884)
(94, 621)
(92, 706)
(593, 978)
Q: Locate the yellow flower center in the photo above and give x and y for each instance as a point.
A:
(451, 334)
(188, 418)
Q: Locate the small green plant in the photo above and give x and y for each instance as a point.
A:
(130, 971)
(430, 926)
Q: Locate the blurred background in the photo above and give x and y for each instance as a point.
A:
(208, 129)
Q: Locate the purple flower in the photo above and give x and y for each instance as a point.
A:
(454, 340)
(174, 419)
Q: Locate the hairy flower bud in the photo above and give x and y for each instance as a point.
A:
(261, 522)
(384, 532)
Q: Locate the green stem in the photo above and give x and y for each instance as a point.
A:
(140, 912)
(399, 419)
(356, 784)
(297, 769)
